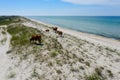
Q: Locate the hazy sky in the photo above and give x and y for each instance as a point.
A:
(60, 7)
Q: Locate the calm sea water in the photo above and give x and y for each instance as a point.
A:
(107, 26)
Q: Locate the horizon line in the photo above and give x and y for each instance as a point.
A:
(60, 15)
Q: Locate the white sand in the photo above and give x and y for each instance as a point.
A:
(94, 38)
(4, 61)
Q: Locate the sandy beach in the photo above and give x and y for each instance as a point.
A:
(74, 56)
(113, 43)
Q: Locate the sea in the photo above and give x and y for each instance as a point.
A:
(107, 26)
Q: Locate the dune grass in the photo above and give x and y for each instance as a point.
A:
(93, 76)
(21, 34)
(6, 20)
(20, 41)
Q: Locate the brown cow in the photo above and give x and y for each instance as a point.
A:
(60, 33)
(47, 30)
(35, 38)
(55, 29)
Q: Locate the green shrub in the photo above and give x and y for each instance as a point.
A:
(54, 54)
(98, 71)
(3, 32)
(6, 20)
(58, 71)
(11, 75)
(81, 67)
(50, 64)
(93, 76)
(87, 63)
(3, 40)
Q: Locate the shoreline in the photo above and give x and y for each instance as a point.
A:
(75, 56)
(101, 40)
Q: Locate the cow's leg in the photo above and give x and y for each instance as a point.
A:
(31, 40)
(35, 41)
(39, 40)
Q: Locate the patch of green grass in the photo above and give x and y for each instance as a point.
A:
(93, 76)
(11, 75)
(53, 44)
(6, 20)
(50, 64)
(58, 62)
(98, 71)
(21, 34)
(97, 75)
(54, 53)
(58, 71)
(3, 40)
(111, 50)
(3, 32)
(34, 73)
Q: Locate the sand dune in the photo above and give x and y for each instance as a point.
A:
(74, 56)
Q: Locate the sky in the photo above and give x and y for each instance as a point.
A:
(60, 7)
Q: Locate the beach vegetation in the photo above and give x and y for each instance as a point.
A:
(6, 20)
(87, 63)
(110, 73)
(98, 71)
(54, 53)
(3, 32)
(81, 59)
(93, 76)
(74, 56)
(50, 64)
(11, 74)
(9, 51)
(58, 62)
(34, 73)
(81, 67)
(3, 40)
(59, 71)
(111, 50)
(74, 70)
(20, 34)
